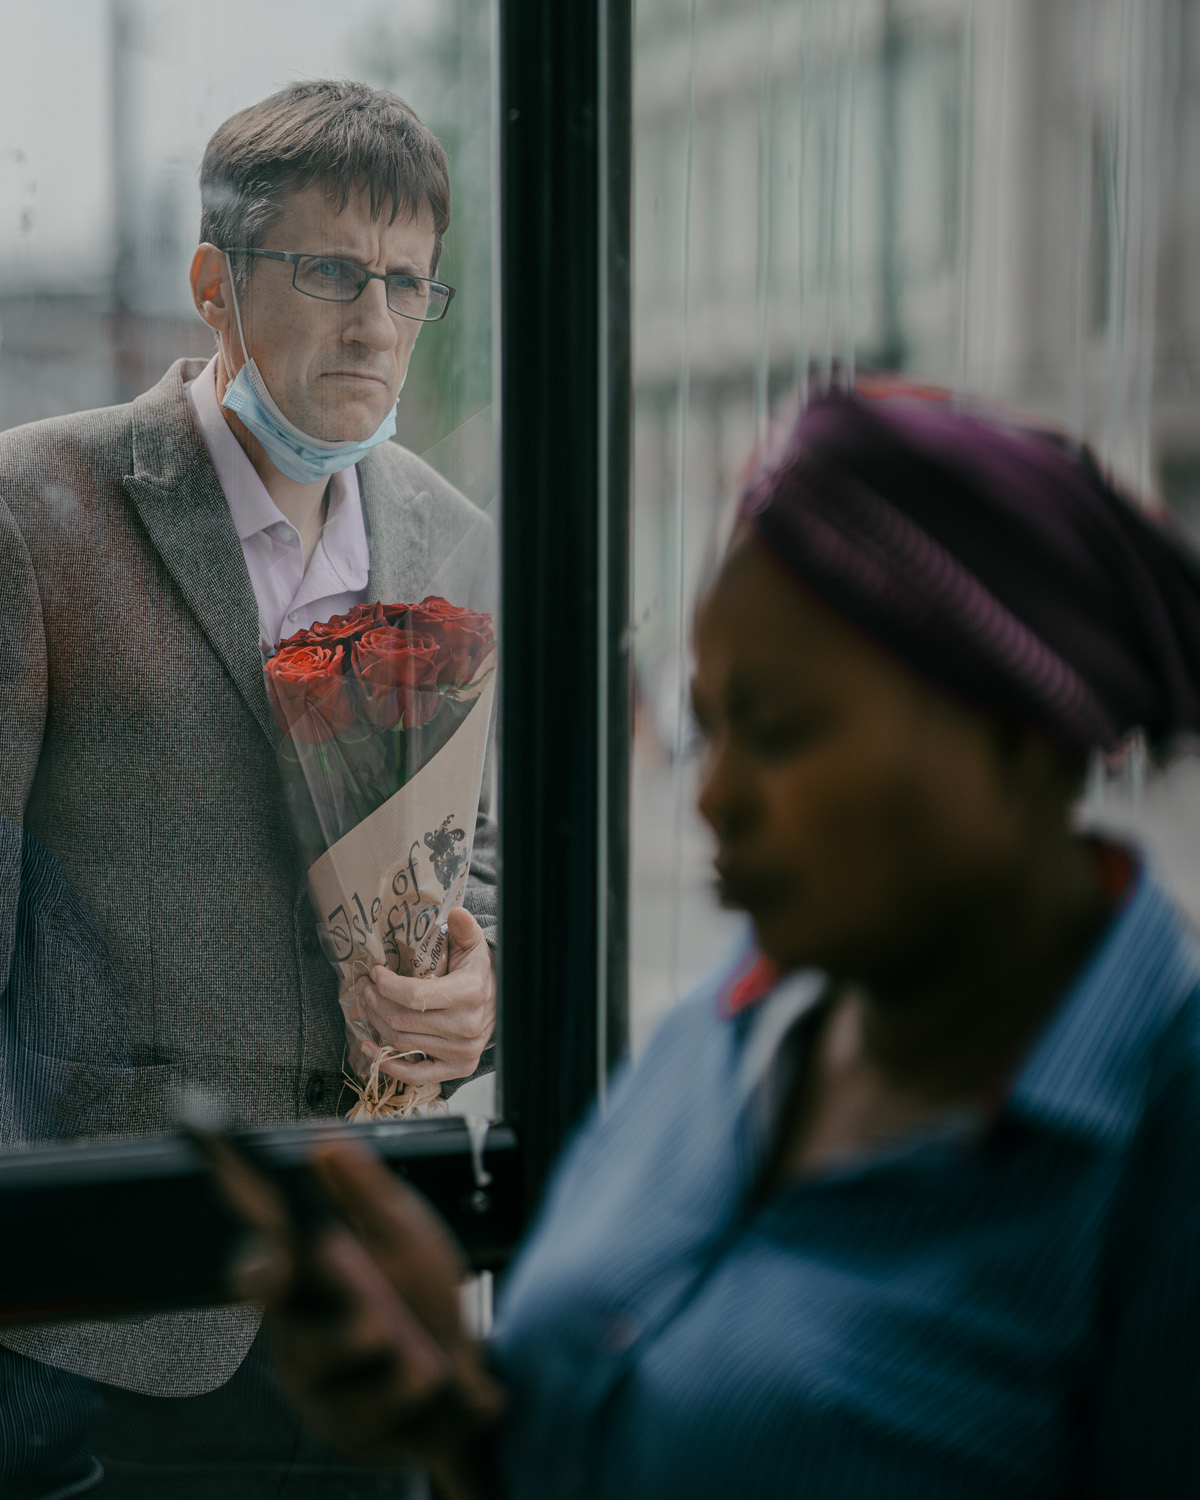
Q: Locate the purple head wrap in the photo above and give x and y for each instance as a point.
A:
(994, 558)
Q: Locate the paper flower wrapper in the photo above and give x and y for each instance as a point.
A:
(383, 891)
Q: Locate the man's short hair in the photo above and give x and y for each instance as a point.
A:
(344, 134)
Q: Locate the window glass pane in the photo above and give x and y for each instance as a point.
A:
(984, 196)
(174, 519)
(101, 207)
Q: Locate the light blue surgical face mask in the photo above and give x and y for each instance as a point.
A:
(297, 454)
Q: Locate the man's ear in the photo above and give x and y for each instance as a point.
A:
(209, 276)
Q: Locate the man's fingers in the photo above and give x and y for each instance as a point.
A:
(432, 1070)
(464, 1021)
(425, 1065)
(450, 1018)
(430, 1041)
(389, 990)
(465, 1031)
(467, 941)
(470, 971)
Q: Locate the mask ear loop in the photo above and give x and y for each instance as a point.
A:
(237, 312)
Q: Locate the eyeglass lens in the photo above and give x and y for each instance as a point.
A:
(341, 281)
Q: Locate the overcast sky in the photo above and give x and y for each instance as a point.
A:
(188, 68)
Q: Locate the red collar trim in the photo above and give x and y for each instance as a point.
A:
(1115, 866)
(752, 982)
(757, 975)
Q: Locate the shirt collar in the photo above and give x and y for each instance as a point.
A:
(1089, 1070)
(345, 535)
(794, 996)
(251, 506)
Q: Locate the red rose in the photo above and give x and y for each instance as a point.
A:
(398, 673)
(338, 628)
(303, 637)
(465, 634)
(308, 691)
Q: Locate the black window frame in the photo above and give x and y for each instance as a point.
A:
(128, 1226)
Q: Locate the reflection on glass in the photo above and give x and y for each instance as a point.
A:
(202, 496)
(981, 195)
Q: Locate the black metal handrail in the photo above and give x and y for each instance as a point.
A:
(138, 1225)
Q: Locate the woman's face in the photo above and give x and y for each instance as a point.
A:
(863, 819)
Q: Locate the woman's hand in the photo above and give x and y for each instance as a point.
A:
(366, 1322)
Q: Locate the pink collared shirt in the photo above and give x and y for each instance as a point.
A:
(289, 598)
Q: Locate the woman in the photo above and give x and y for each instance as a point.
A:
(908, 1204)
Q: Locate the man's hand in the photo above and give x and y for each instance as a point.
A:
(450, 1019)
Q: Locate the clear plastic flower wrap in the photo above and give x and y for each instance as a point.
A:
(384, 713)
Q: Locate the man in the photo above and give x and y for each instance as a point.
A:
(147, 549)
(57, 987)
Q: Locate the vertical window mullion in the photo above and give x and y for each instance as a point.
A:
(564, 462)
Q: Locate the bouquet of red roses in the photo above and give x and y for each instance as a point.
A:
(385, 714)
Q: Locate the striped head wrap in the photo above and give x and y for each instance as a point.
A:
(993, 557)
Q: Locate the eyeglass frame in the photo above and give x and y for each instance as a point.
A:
(294, 257)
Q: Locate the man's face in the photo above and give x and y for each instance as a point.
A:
(333, 368)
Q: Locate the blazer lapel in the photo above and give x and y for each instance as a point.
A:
(421, 542)
(396, 534)
(175, 490)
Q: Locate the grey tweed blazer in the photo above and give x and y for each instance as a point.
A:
(137, 745)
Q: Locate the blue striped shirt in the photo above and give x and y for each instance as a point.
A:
(983, 1309)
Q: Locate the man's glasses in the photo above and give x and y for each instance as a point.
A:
(332, 280)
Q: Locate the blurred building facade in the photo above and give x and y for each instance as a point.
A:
(995, 196)
(991, 194)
